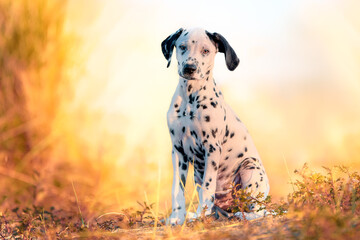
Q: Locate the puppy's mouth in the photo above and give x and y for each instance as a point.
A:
(187, 76)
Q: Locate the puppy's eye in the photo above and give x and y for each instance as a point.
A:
(182, 47)
(205, 51)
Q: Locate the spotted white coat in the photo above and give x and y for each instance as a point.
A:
(205, 131)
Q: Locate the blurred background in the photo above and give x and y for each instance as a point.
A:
(84, 92)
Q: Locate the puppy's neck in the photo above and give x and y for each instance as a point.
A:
(188, 87)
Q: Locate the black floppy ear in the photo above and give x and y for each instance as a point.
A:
(167, 46)
(232, 61)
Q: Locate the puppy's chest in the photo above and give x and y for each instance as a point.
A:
(185, 120)
(195, 119)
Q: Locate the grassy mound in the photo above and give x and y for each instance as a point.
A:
(322, 206)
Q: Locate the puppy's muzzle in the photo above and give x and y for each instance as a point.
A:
(189, 69)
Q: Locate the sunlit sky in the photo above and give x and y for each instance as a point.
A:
(297, 87)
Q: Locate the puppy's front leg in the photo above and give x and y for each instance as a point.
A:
(208, 188)
(180, 167)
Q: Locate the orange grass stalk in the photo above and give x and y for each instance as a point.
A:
(77, 202)
(157, 200)
(288, 171)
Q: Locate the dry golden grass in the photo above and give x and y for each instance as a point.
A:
(321, 207)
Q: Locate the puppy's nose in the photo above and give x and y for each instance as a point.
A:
(189, 68)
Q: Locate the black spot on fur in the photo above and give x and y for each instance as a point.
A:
(230, 150)
(208, 72)
(183, 129)
(213, 163)
(176, 105)
(191, 98)
(207, 118)
(211, 148)
(245, 149)
(191, 150)
(207, 184)
(232, 134)
(213, 104)
(227, 131)
(227, 157)
(191, 115)
(213, 132)
(204, 106)
(189, 88)
(200, 154)
(241, 165)
(172, 132)
(183, 181)
(184, 166)
(180, 149)
(240, 155)
(210, 179)
(193, 133)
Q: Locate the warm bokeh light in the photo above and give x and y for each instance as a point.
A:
(297, 89)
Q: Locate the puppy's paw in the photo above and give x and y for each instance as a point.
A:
(202, 212)
(191, 216)
(176, 218)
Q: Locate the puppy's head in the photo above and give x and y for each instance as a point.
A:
(196, 50)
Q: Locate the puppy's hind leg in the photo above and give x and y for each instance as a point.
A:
(252, 178)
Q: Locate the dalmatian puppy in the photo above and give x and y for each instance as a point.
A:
(206, 132)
